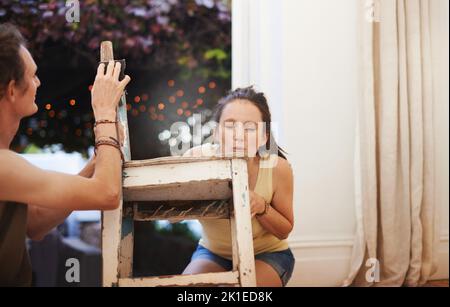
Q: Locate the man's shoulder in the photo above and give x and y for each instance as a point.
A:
(8, 159)
(8, 154)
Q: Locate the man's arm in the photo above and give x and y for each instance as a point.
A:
(22, 182)
(42, 220)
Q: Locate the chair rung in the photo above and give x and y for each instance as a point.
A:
(197, 180)
(208, 279)
(180, 210)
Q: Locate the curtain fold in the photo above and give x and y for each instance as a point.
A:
(397, 226)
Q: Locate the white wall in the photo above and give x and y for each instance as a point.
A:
(303, 54)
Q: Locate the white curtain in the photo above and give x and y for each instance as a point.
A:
(397, 219)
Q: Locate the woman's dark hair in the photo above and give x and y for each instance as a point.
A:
(260, 101)
(12, 66)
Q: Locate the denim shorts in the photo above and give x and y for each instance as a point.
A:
(282, 262)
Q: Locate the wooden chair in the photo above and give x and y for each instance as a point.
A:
(177, 189)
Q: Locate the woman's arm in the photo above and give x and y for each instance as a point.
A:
(279, 219)
(22, 182)
(42, 220)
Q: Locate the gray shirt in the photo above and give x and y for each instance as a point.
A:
(15, 267)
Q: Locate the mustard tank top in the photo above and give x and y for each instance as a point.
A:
(217, 233)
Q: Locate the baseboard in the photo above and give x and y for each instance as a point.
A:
(442, 271)
(325, 261)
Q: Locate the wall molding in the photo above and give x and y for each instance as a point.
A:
(320, 242)
(324, 261)
(332, 241)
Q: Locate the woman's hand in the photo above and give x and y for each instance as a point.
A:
(257, 203)
(107, 90)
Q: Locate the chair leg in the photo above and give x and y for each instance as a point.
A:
(242, 225)
(126, 247)
(111, 237)
(235, 252)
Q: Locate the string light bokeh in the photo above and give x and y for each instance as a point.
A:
(178, 54)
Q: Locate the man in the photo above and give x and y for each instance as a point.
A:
(33, 201)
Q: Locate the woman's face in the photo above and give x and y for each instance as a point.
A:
(241, 129)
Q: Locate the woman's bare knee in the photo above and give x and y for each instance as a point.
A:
(200, 266)
(266, 276)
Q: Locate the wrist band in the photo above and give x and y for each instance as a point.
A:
(109, 138)
(266, 209)
(104, 121)
(113, 143)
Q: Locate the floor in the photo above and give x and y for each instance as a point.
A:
(437, 283)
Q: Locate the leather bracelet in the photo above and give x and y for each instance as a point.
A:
(266, 210)
(104, 121)
(108, 143)
(109, 138)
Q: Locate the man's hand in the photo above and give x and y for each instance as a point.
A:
(89, 169)
(107, 90)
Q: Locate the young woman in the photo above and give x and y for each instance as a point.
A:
(243, 130)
